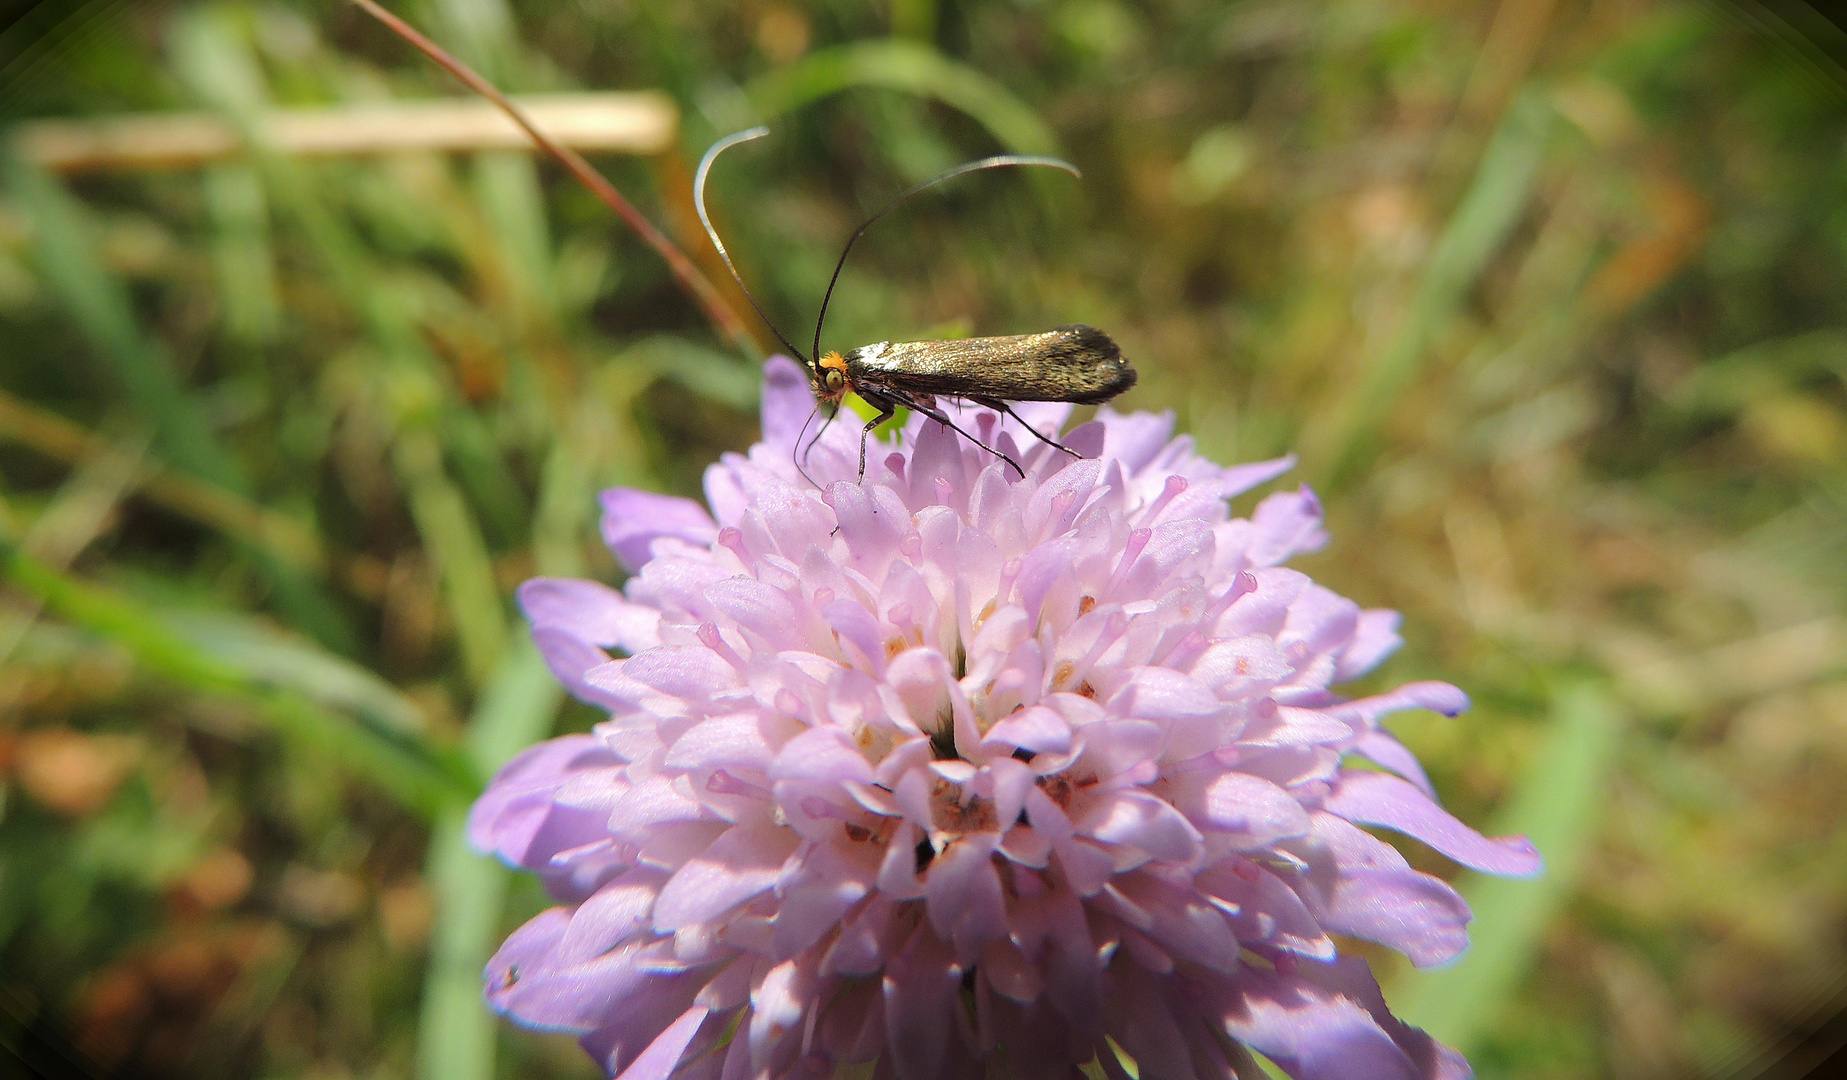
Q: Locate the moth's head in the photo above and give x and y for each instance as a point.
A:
(830, 378)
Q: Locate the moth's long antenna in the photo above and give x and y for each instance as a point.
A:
(997, 162)
(690, 278)
(806, 450)
(705, 166)
(802, 434)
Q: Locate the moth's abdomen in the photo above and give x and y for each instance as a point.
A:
(1078, 364)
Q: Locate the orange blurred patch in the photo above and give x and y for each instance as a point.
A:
(480, 366)
(72, 773)
(406, 912)
(112, 1012)
(150, 1006)
(214, 883)
(1681, 218)
(321, 897)
(782, 33)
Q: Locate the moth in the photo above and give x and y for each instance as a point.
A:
(1078, 364)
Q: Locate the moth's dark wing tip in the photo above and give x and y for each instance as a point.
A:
(1092, 342)
(1089, 339)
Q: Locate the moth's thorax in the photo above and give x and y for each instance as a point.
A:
(866, 355)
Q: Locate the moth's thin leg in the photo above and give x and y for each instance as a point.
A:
(943, 418)
(887, 410)
(1000, 406)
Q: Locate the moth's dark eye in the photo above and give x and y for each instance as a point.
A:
(835, 380)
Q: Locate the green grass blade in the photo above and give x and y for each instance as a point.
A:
(698, 369)
(1558, 804)
(909, 67)
(100, 310)
(455, 1031)
(1727, 384)
(483, 33)
(1489, 210)
(457, 551)
(507, 187)
(261, 652)
(242, 252)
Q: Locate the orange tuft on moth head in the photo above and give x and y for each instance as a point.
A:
(830, 378)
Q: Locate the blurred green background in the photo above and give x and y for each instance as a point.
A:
(1550, 296)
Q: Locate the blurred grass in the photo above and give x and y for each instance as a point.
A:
(423, 779)
(1550, 297)
(1489, 210)
(98, 305)
(908, 67)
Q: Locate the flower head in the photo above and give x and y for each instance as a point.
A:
(952, 765)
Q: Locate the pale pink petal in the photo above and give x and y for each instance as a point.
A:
(617, 911)
(591, 611)
(776, 1008)
(1263, 909)
(1312, 1034)
(1136, 819)
(1382, 750)
(1367, 890)
(963, 895)
(920, 988)
(1135, 438)
(1370, 798)
(814, 901)
(1375, 637)
(572, 659)
(526, 980)
(741, 864)
(1155, 693)
(1037, 729)
(692, 672)
(786, 402)
(1239, 479)
(1251, 811)
(633, 520)
(1438, 697)
(1141, 1020)
(658, 1060)
(823, 754)
(520, 818)
(1288, 523)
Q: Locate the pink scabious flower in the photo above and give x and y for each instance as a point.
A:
(950, 769)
